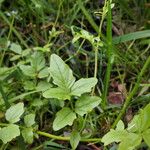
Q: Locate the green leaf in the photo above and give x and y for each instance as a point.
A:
(28, 70)
(74, 139)
(8, 133)
(27, 134)
(114, 136)
(64, 117)
(61, 73)
(14, 112)
(16, 48)
(145, 113)
(120, 125)
(86, 103)
(43, 73)
(43, 86)
(37, 61)
(130, 142)
(82, 86)
(29, 120)
(131, 36)
(56, 93)
(146, 137)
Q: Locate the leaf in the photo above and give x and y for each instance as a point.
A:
(56, 93)
(29, 120)
(27, 134)
(145, 113)
(114, 136)
(43, 86)
(8, 133)
(82, 86)
(86, 103)
(63, 117)
(43, 73)
(131, 36)
(61, 73)
(130, 142)
(14, 112)
(120, 125)
(37, 61)
(74, 139)
(16, 48)
(146, 137)
(28, 70)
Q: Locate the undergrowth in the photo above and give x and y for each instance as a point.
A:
(74, 74)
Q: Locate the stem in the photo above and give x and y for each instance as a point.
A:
(4, 96)
(132, 93)
(109, 55)
(66, 138)
(14, 30)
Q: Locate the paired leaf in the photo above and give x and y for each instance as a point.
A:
(146, 137)
(8, 133)
(82, 86)
(64, 117)
(61, 73)
(28, 70)
(86, 103)
(29, 120)
(57, 93)
(74, 139)
(14, 113)
(27, 134)
(114, 136)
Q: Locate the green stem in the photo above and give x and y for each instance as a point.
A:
(66, 138)
(109, 55)
(55, 137)
(14, 30)
(4, 96)
(132, 93)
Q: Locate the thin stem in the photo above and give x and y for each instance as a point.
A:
(132, 93)
(4, 96)
(109, 55)
(66, 138)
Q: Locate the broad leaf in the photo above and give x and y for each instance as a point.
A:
(14, 112)
(130, 142)
(61, 73)
(29, 120)
(43, 86)
(8, 133)
(38, 61)
(146, 137)
(145, 114)
(86, 103)
(82, 86)
(27, 134)
(56, 93)
(120, 125)
(64, 117)
(16, 48)
(28, 70)
(74, 139)
(114, 136)
(43, 73)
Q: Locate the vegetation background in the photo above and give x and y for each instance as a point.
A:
(107, 40)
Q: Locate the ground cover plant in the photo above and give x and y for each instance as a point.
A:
(74, 75)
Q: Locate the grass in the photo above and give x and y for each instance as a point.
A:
(45, 26)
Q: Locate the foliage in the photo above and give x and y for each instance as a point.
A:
(131, 137)
(70, 71)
